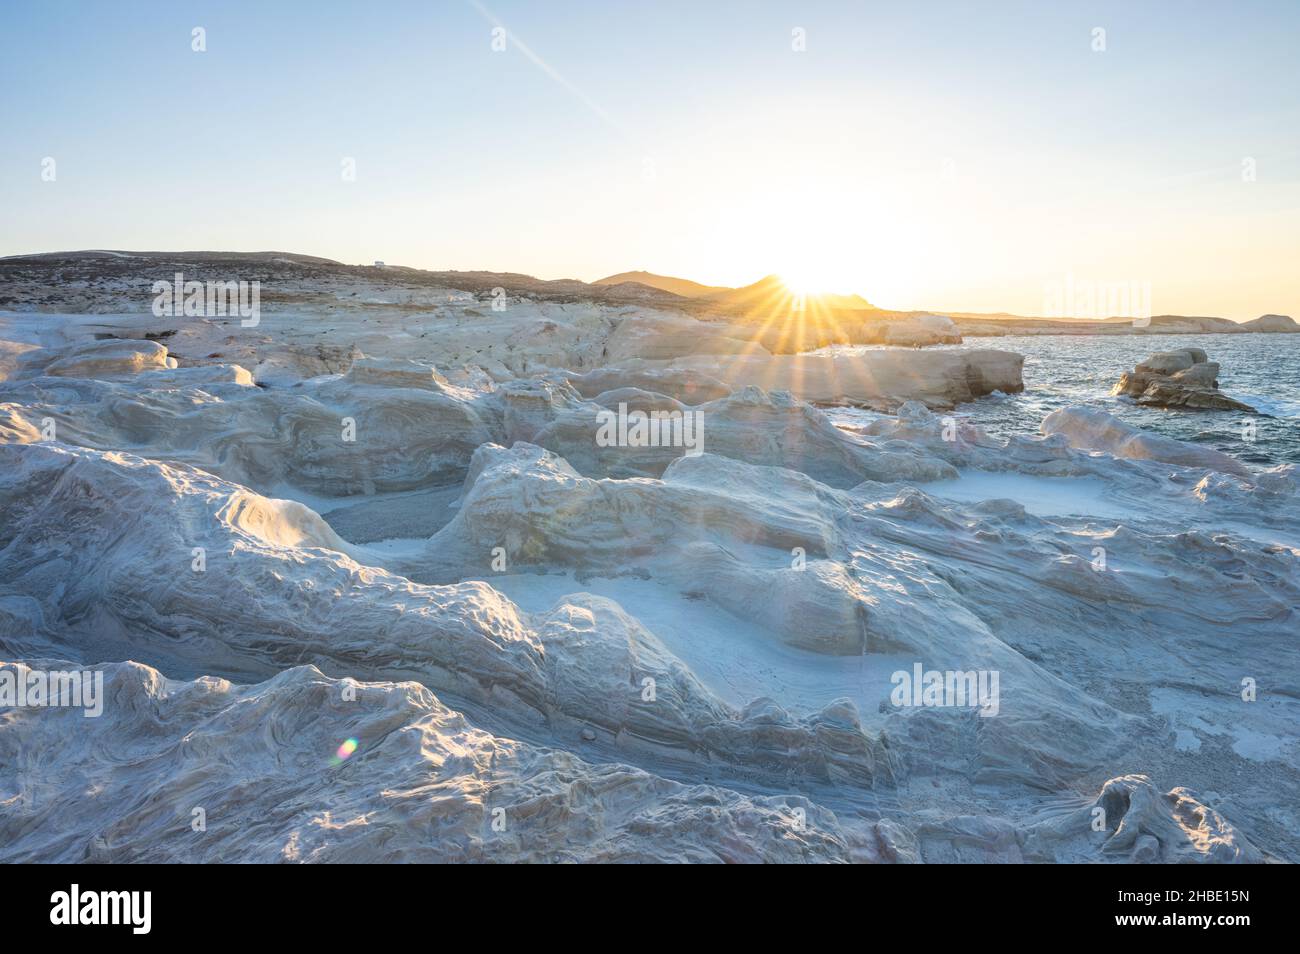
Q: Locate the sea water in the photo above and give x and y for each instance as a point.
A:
(1262, 370)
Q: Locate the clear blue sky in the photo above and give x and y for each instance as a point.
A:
(955, 155)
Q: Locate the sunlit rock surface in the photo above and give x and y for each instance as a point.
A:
(1097, 430)
(369, 585)
(1178, 379)
(913, 331)
(878, 378)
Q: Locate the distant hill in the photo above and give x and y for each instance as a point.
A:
(93, 254)
(677, 286)
(71, 273)
(766, 294)
(74, 281)
(770, 292)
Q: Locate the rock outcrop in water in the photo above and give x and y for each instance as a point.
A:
(1185, 378)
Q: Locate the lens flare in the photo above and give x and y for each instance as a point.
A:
(345, 750)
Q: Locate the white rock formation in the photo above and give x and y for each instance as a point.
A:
(879, 378)
(544, 647)
(109, 359)
(422, 785)
(912, 331)
(1096, 430)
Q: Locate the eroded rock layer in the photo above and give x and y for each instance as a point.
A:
(373, 601)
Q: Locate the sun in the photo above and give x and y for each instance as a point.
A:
(800, 284)
(817, 276)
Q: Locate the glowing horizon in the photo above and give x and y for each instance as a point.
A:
(959, 159)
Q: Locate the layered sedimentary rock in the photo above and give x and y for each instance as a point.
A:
(421, 783)
(418, 783)
(109, 359)
(390, 607)
(583, 663)
(1184, 379)
(877, 378)
(394, 425)
(1096, 430)
(911, 331)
